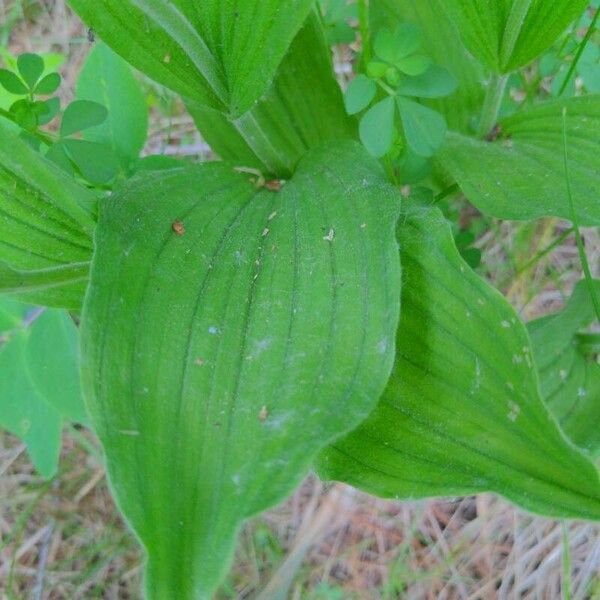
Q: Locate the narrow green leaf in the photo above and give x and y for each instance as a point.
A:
(45, 223)
(521, 176)
(359, 94)
(62, 285)
(247, 329)
(11, 83)
(508, 34)
(424, 128)
(377, 127)
(31, 67)
(107, 79)
(462, 412)
(569, 369)
(48, 85)
(81, 115)
(220, 54)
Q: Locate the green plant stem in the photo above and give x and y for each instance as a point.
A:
(580, 245)
(559, 240)
(580, 49)
(365, 31)
(492, 103)
(566, 575)
(446, 192)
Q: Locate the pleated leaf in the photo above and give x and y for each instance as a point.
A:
(522, 175)
(508, 34)
(567, 359)
(302, 109)
(222, 53)
(462, 412)
(229, 333)
(45, 228)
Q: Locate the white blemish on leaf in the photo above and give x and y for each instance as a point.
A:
(581, 392)
(514, 410)
(263, 414)
(213, 330)
(562, 374)
(505, 324)
(382, 346)
(272, 216)
(265, 232)
(329, 237)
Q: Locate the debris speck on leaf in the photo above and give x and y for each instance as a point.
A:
(263, 414)
(274, 185)
(178, 228)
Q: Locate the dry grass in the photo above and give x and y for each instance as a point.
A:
(63, 539)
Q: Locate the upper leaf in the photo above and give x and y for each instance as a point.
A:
(508, 34)
(108, 80)
(462, 412)
(81, 115)
(247, 329)
(569, 369)
(220, 53)
(31, 67)
(45, 227)
(522, 175)
(442, 43)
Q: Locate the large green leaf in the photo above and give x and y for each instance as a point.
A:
(45, 228)
(442, 43)
(38, 372)
(228, 335)
(522, 175)
(108, 80)
(508, 34)
(222, 53)
(302, 109)
(568, 363)
(462, 412)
